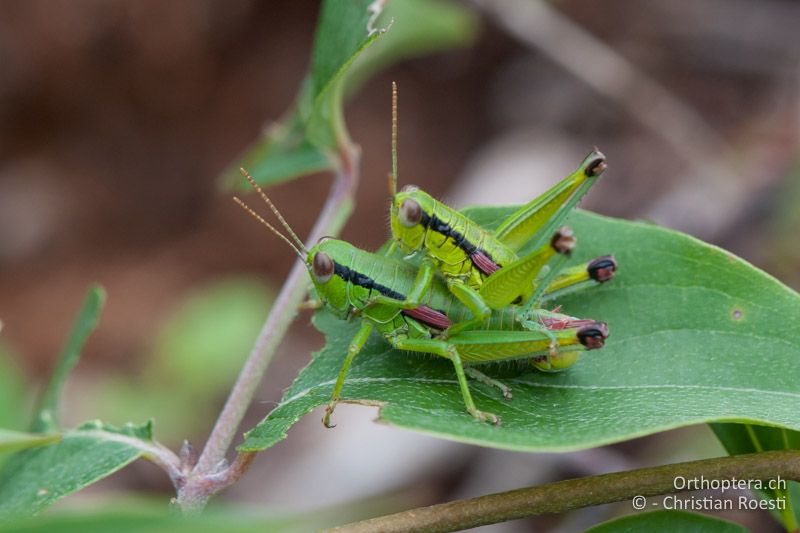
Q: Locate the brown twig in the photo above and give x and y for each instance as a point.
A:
(583, 492)
(211, 474)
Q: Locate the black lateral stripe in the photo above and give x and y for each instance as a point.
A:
(436, 224)
(357, 278)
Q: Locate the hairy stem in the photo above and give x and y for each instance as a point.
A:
(209, 476)
(584, 492)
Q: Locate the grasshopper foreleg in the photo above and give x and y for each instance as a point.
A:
(355, 347)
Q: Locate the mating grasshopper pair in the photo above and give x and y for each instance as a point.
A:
(468, 314)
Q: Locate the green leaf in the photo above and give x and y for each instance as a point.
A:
(136, 517)
(668, 521)
(13, 390)
(307, 138)
(12, 441)
(419, 27)
(311, 134)
(697, 335)
(47, 416)
(747, 438)
(35, 478)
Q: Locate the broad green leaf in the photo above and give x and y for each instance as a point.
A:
(35, 478)
(345, 54)
(47, 416)
(12, 441)
(697, 335)
(668, 521)
(747, 438)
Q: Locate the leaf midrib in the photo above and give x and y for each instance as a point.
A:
(369, 380)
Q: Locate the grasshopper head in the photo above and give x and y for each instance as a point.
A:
(325, 262)
(410, 214)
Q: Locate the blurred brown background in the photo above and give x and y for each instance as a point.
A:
(117, 117)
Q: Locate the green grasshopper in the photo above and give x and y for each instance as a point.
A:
(374, 288)
(482, 268)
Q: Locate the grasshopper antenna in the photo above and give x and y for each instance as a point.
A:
(274, 210)
(393, 180)
(270, 226)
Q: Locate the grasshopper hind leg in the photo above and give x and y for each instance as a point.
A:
(477, 375)
(448, 351)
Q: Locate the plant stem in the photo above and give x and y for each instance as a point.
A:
(207, 476)
(584, 492)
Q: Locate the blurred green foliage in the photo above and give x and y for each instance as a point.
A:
(196, 356)
(672, 521)
(13, 385)
(46, 418)
(345, 54)
(135, 516)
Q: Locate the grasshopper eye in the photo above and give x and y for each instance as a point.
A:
(593, 336)
(602, 268)
(323, 267)
(410, 213)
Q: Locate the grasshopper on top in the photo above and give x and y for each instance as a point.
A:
(355, 284)
(482, 268)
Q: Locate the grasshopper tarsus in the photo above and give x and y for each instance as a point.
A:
(553, 349)
(505, 390)
(310, 304)
(483, 416)
(326, 419)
